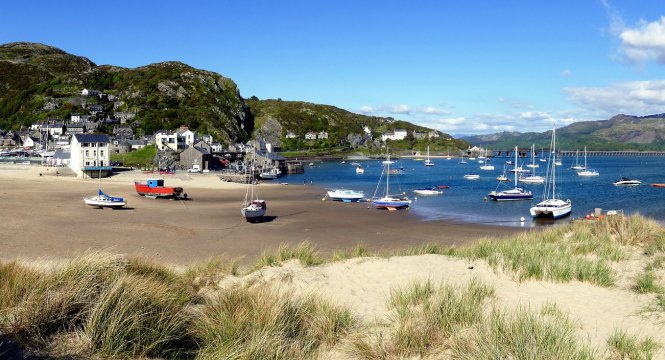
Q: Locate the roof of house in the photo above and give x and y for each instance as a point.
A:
(98, 138)
(137, 142)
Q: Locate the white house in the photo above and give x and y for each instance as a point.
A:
(89, 92)
(322, 135)
(29, 142)
(310, 136)
(398, 134)
(290, 134)
(216, 147)
(89, 150)
(178, 140)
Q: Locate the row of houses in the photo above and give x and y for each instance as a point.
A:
(401, 134)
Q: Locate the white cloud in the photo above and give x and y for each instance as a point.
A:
(431, 110)
(366, 109)
(399, 109)
(644, 42)
(535, 115)
(566, 73)
(634, 97)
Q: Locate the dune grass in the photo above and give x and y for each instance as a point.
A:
(521, 334)
(647, 282)
(626, 346)
(425, 320)
(304, 252)
(580, 251)
(260, 323)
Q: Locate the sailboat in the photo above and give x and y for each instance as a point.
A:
(542, 155)
(253, 208)
(532, 178)
(513, 194)
(102, 200)
(390, 202)
(587, 171)
(551, 206)
(428, 162)
(503, 176)
(533, 158)
(577, 165)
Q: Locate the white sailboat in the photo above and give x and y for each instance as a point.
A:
(586, 171)
(516, 193)
(551, 206)
(428, 162)
(387, 201)
(532, 178)
(577, 165)
(253, 208)
(102, 200)
(533, 158)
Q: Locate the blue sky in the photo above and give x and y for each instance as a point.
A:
(463, 67)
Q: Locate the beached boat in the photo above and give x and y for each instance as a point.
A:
(253, 208)
(428, 191)
(154, 188)
(551, 206)
(516, 193)
(390, 202)
(624, 181)
(345, 195)
(102, 200)
(428, 162)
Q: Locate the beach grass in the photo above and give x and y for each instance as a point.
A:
(625, 346)
(208, 273)
(521, 334)
(647, 282)
(261, 323)
(303, 252)
(425, 321)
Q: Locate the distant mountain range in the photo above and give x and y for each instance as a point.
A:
(621, 132)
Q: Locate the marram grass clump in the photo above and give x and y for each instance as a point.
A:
(261, 323)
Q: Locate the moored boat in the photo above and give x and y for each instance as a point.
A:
(345, 195)
(624, 181)
(270, 174)
(428, 191)
(551, 206)
(472, 176)
(390, 202)
(516, 193)
(658, 185)
(154, 188)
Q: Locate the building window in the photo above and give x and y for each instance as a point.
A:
(87, 163)
(101, 152)
(87, 153)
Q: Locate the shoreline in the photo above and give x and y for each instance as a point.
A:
(44, 217)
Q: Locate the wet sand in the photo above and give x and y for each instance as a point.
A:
(44, 217)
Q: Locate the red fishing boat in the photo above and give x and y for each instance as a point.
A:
(154, 188)
(658, 185)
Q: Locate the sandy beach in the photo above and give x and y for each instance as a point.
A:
(44, 217)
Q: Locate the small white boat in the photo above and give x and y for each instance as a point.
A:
(273, 173)
(345, 195)
(360, 170)
(532, 179)
(428, 191)
(428, 162)
(577, 165)
(520, 170)
(588, 173)
(472, 158)
(102, 200)
(472, 176)
(533, 164)
(390, 202)
(486, 165)
(514, 194)
(255, 210)
(311, 164)
(624, 181)
(502, 177)
(558, 163)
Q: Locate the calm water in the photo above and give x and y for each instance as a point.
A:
(463, 201)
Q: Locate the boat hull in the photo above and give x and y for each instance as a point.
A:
(163, 192)
(391, 203)
(97, 202)
(346, 196)
(427, 192)
(553, 210)
(510, 195)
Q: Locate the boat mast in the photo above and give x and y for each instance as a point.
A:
(585, 158)
(388, 176)
(515, 167)
(554, 163)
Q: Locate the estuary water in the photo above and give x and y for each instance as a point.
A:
(465, 199)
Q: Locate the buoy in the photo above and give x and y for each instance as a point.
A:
(485, 198)
(522, 219)
(323, 199)
(415, 198)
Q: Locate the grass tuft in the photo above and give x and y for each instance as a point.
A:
(647, 282)
(304, 252)
(260, 323)
(521, 334)
(625, 346)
